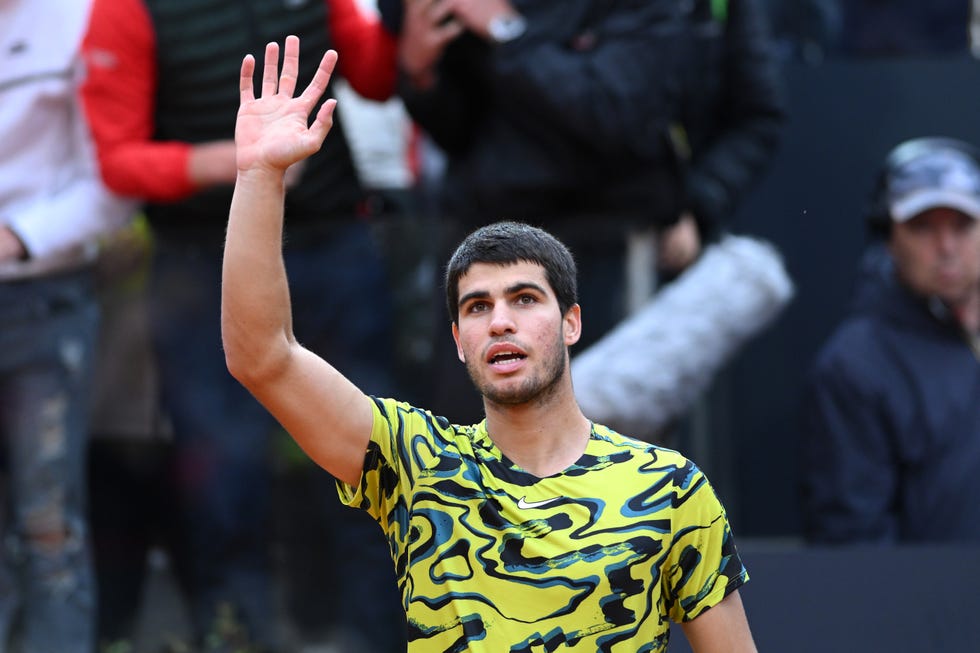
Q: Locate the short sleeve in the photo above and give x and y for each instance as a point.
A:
(703, 565)
(405, 442)
(382, 474)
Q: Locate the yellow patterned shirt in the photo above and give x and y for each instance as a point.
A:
(598, 557)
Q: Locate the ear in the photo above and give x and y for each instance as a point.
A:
(572, 325)
(459, 348)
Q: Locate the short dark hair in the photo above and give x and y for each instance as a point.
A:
(508, 242)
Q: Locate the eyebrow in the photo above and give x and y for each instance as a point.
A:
(509, 290)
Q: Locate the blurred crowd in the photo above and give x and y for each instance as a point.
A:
(632, 131)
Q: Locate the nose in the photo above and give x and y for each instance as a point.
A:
(502, 320)
(947, 238)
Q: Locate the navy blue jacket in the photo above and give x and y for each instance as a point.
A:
(891, 423)
(904, 27)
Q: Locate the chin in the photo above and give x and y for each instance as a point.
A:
(507, 396)
(526, 392)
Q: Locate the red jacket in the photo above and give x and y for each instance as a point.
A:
(118, 94)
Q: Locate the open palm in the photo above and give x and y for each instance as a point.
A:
(273, 130)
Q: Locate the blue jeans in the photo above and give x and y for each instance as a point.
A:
(340, 302)
(47, 340)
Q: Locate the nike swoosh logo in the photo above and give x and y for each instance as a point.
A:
(524, 504)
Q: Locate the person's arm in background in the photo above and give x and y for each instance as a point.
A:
(368, 52)
(751, 116)
(849, 467)
(748, 121)
(118, 96)
(430, 92)
(327, 415)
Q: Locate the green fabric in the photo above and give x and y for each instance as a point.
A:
(719, 10)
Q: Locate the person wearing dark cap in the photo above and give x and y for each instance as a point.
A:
(891, 423)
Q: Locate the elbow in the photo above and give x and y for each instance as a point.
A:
(241, 359)
(119, 178)
(254, 365)
(236, 366)
(115, 178)
(240, 365)
(251, 350)
(374, 72)
(251, 372)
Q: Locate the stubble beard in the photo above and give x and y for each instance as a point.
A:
(537, 388)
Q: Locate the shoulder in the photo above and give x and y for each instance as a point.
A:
(417, 427)
(854, 345)
(616, 440)
(657, 466)
(401, 415)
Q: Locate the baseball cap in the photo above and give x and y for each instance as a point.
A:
(938, 176)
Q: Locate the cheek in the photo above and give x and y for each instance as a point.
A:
(912, 257)
(972, 249)
(972, 258)
(465, 344)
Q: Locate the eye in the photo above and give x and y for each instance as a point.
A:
(477, 307)
(526, 299)
(964, 224)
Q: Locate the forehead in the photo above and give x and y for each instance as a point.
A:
(492, 277)
(936, 217)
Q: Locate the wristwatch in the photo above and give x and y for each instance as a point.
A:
(506, 27)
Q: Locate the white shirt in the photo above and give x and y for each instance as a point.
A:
(51, 194)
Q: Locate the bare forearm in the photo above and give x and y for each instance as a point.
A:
(256, 323)
(212, 164)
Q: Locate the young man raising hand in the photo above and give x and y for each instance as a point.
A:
(531, 530)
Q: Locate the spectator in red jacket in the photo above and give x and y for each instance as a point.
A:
(162, 97)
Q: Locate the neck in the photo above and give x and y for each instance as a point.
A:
(543, 438)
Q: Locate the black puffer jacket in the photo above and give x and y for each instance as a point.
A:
(732, 108)
(574, 118)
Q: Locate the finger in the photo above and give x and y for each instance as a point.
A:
(270, 72)
(246, 89)
(439, 12)
(318, 85)
(323, 121)
(290, 66)
(449, 30)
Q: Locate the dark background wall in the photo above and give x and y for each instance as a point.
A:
(845, 116)
(911, 599)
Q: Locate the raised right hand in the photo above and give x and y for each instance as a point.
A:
(272, 131)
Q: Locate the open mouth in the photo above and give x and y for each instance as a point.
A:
(506, 357)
